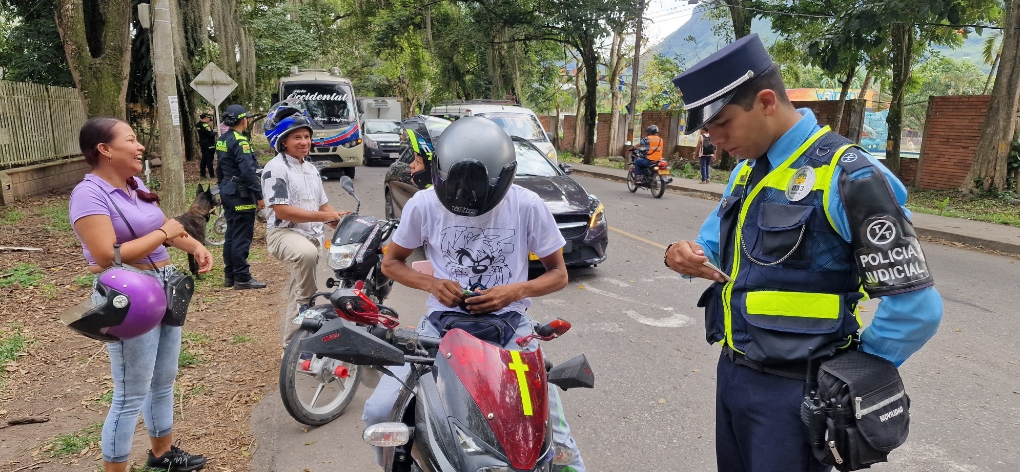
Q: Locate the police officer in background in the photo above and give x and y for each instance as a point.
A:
(809, 226)
(241, 192)
(207, 142)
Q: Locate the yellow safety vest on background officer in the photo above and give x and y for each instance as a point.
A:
(241, 193)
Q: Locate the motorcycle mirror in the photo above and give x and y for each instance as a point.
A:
(559, 326)
(348, 185)
(574, 373)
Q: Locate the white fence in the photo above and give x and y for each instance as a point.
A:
(38, 123)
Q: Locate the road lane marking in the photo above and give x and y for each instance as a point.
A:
(624, 299)
(639, 238)
(675, 321)
(615, 282)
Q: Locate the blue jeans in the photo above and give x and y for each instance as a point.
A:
(706, 162)
(143, 369)
(379, 405)
(641, 166)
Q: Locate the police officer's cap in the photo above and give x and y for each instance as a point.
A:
(234, 114)
(709, 85)
(204, 116)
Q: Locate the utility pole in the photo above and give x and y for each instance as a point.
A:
(635, 67)
(167, 111)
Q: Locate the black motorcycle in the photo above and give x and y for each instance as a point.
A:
(315, 389)
(468, 405)
(654, 177)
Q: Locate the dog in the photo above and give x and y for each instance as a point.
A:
(196, 219)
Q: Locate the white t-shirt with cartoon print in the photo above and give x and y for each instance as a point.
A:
(490, 250)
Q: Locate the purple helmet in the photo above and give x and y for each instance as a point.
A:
(134, 304)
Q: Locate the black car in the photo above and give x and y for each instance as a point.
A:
(579, 215)
(382, 140)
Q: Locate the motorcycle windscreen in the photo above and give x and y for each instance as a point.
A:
(509, 388)
(353, 229)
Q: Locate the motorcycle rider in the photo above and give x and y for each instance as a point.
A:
(651, 148)
(478, 229)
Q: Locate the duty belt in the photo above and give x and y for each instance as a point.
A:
(796, 371)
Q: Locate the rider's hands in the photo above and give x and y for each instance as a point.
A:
(204, 259)
(447, 292)
(173, 229)
(493, 299)
(332, 218)
(687, 258)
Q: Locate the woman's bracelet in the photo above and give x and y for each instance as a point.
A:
(166, 237)
(666, 252)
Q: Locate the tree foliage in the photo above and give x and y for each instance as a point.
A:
(30, 49)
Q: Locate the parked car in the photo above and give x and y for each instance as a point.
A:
(579, 215)
(515, 120)
(382, 141)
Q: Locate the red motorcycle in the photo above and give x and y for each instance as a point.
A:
(468, 405)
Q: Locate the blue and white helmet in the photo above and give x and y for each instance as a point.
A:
(285, 117)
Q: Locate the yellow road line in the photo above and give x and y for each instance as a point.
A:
(639, 238)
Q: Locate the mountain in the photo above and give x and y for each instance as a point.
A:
(706, 42)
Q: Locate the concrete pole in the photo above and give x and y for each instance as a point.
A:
(170, 140)
(635, 67)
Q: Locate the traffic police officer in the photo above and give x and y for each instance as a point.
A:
(241, 192)
(809, 226)
(207, 142)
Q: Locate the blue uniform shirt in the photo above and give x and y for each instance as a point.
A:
(903, 322)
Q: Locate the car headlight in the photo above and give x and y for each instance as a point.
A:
(596, 215)
(551, 155)
(341, 257)
(372, 144)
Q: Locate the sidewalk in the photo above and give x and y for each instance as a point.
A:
(975, 233)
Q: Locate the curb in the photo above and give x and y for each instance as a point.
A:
(1001, 246)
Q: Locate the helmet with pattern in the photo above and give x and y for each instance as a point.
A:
(474, 166)
(132, 304)
(423, 132)
(284, 118)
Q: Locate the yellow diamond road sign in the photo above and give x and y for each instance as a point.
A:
(213, 84)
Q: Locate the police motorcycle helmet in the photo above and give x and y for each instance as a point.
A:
(132, 303)
(285, 117)
(423, 132)
(234, 114)
(474, 166)
(653, 129)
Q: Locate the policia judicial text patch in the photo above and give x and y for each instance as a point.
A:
(887, 257)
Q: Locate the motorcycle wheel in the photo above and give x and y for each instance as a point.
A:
(631, 183)
(658, 186)
(216, 231)
(316, 396)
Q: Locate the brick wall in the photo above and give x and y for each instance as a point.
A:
(547, 123)
(908, 172)
(40, 178)
(951, 134)
(567, 142)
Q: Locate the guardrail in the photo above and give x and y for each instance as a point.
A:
(38, 123)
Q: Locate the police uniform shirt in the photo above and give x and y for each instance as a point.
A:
(287, 181)
(920, 309)
(236, 158)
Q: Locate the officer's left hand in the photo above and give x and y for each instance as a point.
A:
(204, 259)
(493, 299)
(261, 204)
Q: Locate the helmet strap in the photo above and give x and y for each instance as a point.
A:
(116, 255)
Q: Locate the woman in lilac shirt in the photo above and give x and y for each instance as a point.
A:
(143, 367)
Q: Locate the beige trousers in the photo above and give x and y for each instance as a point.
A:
(302, 256)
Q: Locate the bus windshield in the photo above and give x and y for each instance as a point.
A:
(328, 103)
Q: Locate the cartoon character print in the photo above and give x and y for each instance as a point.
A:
(477, 256)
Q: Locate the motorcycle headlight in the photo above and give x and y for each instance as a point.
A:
(596, 215)
(341, 257)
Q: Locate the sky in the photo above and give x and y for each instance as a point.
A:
(665, 16)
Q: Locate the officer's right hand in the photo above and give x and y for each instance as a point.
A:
(173, 229)
(687, 258)
(448, 292)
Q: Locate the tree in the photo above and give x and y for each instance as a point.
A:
(97, 42)
(31, 50)
(936, 77)
(989, 168)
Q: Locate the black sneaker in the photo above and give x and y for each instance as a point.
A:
(227, 282)
(175, 460)
(248, 284)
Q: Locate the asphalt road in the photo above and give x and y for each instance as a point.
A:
(653, 405)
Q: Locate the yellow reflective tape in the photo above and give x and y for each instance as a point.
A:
(794, 304)
(825, 192)
(221, 146)
(727, 294)
(245, 207)
(521, 368)
(245, 148)
(745, 172)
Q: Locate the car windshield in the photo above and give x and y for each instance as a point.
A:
(518, 124)
(382, 127)
(531, 162)
(328, 103)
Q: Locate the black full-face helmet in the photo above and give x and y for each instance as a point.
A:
(474, 166)
(423, 132)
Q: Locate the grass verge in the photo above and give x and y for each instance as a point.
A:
(76, 442)
(24, 274)
(1003, 208)
(191, 351)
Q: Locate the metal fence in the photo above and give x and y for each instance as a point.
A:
(38, 123)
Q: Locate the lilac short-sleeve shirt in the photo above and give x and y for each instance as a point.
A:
(93, 196)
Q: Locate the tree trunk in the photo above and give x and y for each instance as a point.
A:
(591, 82)
(902, 45)
(173, 199)
(741, 18)
(838, 121)
(988, 169)
(615, 95)
(991, 72)
(99, 60)
(578, 139)
(868, 77)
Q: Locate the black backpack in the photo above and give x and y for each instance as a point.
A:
(857, 413)
(707, 148)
